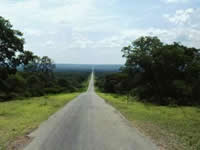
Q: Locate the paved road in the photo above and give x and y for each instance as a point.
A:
(88, 123)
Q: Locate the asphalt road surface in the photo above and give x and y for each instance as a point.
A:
(88, 123)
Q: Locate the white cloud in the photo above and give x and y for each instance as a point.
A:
(187, 36)
(175, 1)
(49, 44)
(32, 32)
(181, 16)
(80, 41)
(70, 30)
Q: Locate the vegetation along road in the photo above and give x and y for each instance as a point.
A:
(88, 123)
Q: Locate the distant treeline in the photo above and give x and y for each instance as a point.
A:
(87, 67)
(36, 75)
(166, 74)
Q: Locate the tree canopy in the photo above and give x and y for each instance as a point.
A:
(11, 44)
(24, 74)
(158, 72)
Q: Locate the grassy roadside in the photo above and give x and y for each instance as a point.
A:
(173, 128)
(19, 117)
(85, 84)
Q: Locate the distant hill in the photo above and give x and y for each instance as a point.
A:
(87, 67)
(108, 68)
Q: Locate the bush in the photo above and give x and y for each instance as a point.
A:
(26, 84)
(16, 83)
(53, 90)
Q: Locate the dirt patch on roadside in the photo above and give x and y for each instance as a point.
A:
(165, 140)
(19, 143)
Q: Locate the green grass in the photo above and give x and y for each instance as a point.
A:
(19, 117)
(85, 84)
(174, 128)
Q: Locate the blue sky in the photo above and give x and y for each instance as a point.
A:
(94, 31)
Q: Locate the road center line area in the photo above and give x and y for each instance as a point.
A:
(88, 123)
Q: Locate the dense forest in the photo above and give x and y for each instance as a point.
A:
(165, 74)
(24, 74)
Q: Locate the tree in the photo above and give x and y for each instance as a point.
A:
(163, 73)
(46, 65)
(139, 61)
(26, 57)
(33, 65)
(37, 76)
(11, 44)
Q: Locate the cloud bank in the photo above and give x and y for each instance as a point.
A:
(71, 31)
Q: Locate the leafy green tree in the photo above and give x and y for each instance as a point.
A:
(16, 83)
(46, 65)
(37, 76)
(163, 73)
(139, 61)
(26, 57)
(34, 64)
(11, 44)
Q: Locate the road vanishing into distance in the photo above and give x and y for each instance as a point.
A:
(88, 123)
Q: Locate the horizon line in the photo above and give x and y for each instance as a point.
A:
(84, 64)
